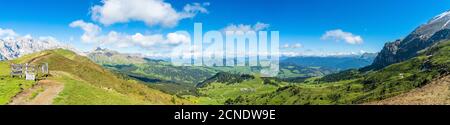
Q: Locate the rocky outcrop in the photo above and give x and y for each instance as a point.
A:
(437, 29)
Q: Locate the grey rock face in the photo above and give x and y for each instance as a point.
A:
(437, 29)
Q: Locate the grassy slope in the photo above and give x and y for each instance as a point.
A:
(9, 87)
(219, 93)
(182, 80)
(388, 82)
(165, 77)
(435, 93)
(78, 92)
(88, 83)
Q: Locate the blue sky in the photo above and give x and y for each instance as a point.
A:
(299, 21)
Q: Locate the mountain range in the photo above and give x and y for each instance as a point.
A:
(435, 30)
(105, 76)
(11, 48)
(335, 63)
(402, 73)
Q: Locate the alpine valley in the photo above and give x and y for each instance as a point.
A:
(412, 70)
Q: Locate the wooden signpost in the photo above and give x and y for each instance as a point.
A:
(16, 70)
(29, 71)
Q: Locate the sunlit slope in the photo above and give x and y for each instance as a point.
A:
(88, 83)
(224, 86)
(9, 87)
(431, 64)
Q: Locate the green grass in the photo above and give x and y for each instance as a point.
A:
(165, 77)
(202, 100)
(219, 93)
(306, 94)
(81, 93)
(96, 76)
(360, 88)
(4, 68)
(85, 82)
(9, 87)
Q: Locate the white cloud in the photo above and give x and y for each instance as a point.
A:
(319, 53)
(260, 26)
(190, 10)
(90, 30)
(7, 33)
(339, 35)
(92, 34)
(178, 38)
(11, 34)
(47, 38)
(286, 46)
(159, 40)
(297, 45)
(28, 36)
(293, 46)
(152, 12)
(244, 27)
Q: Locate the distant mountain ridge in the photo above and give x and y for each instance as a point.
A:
(11, 48)
(420, 59)
(106, 56)
(435, 30)
(355, 87)
(337, 63)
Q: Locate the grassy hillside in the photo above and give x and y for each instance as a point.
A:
(435, 93)
(79, 92)
(88, 83)
(182, 80)
(9, 87)
(393, 80)
(164, 76)
(225, 86)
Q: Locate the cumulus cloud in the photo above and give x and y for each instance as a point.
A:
(260, 26)
(339, 35)
(92, 34)
(152, 12)
(293, 46)
(7, 33)
(297, 45)
(245, 27)
(320, 53)
(158, 40)
(91, 31)
(190, 10)
(45, 38)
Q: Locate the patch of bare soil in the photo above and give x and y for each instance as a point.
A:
(42, 93)
(435, 93)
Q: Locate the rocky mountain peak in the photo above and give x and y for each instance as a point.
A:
(436, 30)
(11, 48)
(439, 22)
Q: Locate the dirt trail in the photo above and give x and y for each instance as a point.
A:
(435, 93)
(42, 93)
(38, 58)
